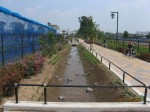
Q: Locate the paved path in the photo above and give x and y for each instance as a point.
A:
(137, 68)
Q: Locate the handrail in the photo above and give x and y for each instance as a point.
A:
(16, 85)
(124, 72)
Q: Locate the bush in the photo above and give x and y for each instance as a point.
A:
(14, 72)
(120, 49)
(144, 56)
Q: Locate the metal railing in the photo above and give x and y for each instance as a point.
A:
(45, 86)
(111, 63)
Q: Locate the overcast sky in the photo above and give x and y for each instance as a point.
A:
(134, 15)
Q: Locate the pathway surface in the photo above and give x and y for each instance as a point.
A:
(75, 75)
(137, 68)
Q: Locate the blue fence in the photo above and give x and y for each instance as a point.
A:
(18, 35)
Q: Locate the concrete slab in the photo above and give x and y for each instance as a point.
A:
(76, 107)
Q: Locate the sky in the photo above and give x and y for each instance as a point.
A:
(134, 15)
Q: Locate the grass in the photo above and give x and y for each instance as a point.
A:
(87, 55)
(54, 59)
(113, 45)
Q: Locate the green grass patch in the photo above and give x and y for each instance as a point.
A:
(87, 55)
(55, 58)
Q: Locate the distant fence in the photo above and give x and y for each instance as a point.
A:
(18, 36)
(141, 46)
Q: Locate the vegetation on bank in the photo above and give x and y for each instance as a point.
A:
(31, 65)
(14, 72)
(87, 55)
(98, 74)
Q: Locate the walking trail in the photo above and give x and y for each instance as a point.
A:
(137, 68)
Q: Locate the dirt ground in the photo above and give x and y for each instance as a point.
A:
(54, 92)
(45, 77)
(100, 75)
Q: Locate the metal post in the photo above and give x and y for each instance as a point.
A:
(123, 76)
(149, 46)
(117, 26)
(145, 95)
(96, 54)
(101, 59)
(123, 43)
(33, 46)
(45, 94)
(22, 45)
(2, 44)
(138, 47)
(16, 92)
(109, 65)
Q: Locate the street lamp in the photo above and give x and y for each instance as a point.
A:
(112, 15)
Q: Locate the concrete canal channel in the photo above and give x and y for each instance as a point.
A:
(75, 75)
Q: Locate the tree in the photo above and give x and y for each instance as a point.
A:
(148, 36)
(87, 27)
(125, 34)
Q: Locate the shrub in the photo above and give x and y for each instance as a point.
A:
(120, 49)
(14, 72)
(144, 56)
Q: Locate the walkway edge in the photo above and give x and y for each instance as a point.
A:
(75, 106)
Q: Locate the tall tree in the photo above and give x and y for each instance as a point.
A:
(87, 27)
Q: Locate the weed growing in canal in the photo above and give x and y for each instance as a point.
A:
(87, 55)
(55, 59)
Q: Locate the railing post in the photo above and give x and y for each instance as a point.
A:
(45, 94)
(138, 47)
(149, 46)
(101, 59)
(145, 94)
(109, 65)
(96, 54)
(16, 92)
(123, 76)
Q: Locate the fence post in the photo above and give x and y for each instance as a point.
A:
(149, 46)
(138, 46)
(2, 50)
(123, 76)
(22, 46)
(101, 59)
(96, 54)
(123, 43)
(16, 92)
(109, 65)
(145, 95)
(33, 45)
(45, 94)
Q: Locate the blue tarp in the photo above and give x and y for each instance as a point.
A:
(14, 14)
